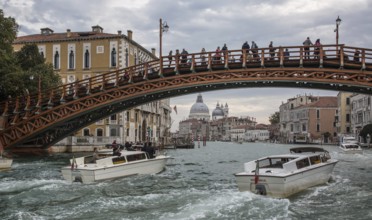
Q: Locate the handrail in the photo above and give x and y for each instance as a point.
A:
(33, 103)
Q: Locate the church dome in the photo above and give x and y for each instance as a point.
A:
(218, 111)
(199, 110)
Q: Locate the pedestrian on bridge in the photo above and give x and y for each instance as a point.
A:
(217, 56)
(357, 55)
(254, 48)
(307, 43)
(170, 58)
(202, 56)
(224, 51)
(272, 51)
(317, 49)
(184, 54)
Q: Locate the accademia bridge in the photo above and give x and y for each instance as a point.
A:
(45, 118)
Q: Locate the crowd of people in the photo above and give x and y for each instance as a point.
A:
(252, 53)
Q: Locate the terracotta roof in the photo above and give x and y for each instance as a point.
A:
(37, 38)
(324, 102)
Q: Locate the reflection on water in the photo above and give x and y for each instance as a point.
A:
(197, 184)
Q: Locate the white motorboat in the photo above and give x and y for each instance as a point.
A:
(107, 166)
(5, 163)
(351, 148)
(284, 175)
(349, 140)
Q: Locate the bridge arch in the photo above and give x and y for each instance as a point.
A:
(53, 114)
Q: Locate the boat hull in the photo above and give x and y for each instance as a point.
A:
(286, 185)
(93, 174)
(5, 163)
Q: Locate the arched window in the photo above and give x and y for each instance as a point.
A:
(56, 60)
(86, 132)
(113, 57)
(71, 59)
(86, 59)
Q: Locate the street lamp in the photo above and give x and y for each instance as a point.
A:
(163, 27)
(338, 22)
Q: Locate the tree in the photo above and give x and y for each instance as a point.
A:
(366, 130)
(274, 118)
(8, 33)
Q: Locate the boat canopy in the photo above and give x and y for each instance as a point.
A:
(307, 150)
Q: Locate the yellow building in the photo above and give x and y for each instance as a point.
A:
(83, 54)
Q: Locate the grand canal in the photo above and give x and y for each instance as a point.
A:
(197, 184)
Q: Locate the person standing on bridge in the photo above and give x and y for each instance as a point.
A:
(170, 57)
(184, 54)
(224, 51)
(202, 56)
(307, 43)
(317, 49)
(271, 50)
(254, 48)
(217, 56)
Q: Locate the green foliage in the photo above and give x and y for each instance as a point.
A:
(367, 130)
(29, 57)
(22, 70)
(274, 118)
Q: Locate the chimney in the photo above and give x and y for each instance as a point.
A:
(153, 51)
(68, 32)
(119, 32)
(130, 33)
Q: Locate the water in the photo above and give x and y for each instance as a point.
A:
(197, 184)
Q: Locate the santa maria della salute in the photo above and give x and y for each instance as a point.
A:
(218, 127)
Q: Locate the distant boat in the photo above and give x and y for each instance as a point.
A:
(351, 148)
(183, 144)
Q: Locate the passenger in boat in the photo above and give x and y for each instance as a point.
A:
(115, 149)
(95, 155)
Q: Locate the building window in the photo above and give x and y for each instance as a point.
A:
(86, 132)
(127, 132)
(303, 127)
(136, 117)
(347, 117)
(113, 132)
(347, 101)
(86, 59)
(99, 132)
(291, 127)
(71, 59)
(56, 60)
(317, 114)
(317, 127)
(113, 57)
(347, 129)
(113, 117)
(128, 115)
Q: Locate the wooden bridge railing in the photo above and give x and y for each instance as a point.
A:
(19, 108)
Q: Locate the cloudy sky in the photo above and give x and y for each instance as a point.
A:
(195, 24)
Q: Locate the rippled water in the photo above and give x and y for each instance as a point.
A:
(197, 184)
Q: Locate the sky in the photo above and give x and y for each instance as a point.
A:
(197, 24)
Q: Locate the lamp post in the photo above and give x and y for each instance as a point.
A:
(338, 22)
(163, 27)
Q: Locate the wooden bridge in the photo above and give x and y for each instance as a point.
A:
(43, 119)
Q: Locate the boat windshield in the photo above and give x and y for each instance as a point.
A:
(274, 162)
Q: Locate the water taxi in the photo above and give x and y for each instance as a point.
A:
(284, 175)
(351, 148)
(105, 166)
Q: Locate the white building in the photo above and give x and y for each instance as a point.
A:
(256, 135)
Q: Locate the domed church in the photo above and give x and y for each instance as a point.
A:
(220, 112)
(199, 110)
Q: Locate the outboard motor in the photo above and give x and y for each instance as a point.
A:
(261, 190)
